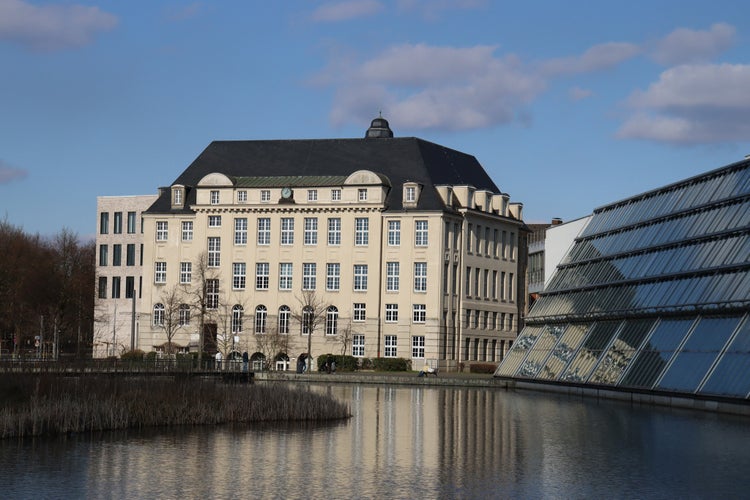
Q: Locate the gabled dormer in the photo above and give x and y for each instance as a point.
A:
(411, 193)
(178, 196)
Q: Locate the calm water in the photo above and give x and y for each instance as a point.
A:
(406, 442)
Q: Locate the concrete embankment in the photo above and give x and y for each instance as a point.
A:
(385, 378)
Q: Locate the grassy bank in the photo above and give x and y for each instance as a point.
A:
(33, 405)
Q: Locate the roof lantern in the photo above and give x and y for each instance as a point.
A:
(379, 128)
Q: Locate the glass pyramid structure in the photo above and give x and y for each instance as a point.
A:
(653, 296)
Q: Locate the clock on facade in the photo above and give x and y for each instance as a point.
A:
(286, 192)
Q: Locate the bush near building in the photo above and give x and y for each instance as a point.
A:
(391, 364)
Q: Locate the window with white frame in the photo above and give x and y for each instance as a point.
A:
(265, 195)
(214, 251)
(284, 314)
(417, 346)
(309, 272)
(186, 273)
(262, 272)
(239, 274)
(361, 231)
(359, 313)
(391, 276)
(360, 277)
(184, 312)
(162, 230)
(332, 320)
(214, 221)
(264, 231)
(159, 314)
(237, 313)
(411, 194)
(335, 195)
(261, 315)
(420, 276)
(394, 233)
(160, 272)
(307, 320)
(240, 231)
(187, 230)
(176, 196)
(333, 277)
(242, 196)
(419, 313)
(391, 346)
(311, 231)
(420, 233)
(494, 285)
(358, 346)
(285, 276)
(212, 294)
(334, 231)
(391, 313)
(362, 194)
(312, 195)
(214, 197)
(287, 231)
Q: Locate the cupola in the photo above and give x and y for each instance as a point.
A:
(379, 128)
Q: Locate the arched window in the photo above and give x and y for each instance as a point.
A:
(237, 312)
(159, 314)
(184, 314)
(261, 313)
(307, 320)
(332, 320)
(284, 315)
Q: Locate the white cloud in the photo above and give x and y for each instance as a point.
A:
(51, 27)
(9, 174)
(577, 93)
(597, 58)
(690, 104)
(432, 9)
(690, 46)
(343, 11)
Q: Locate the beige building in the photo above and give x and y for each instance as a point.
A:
(119, 247)
(394, 247)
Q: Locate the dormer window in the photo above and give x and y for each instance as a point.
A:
(242, 196)
(411, 194)
(362, 194)
(335, 195)
(214, 197)
(265, 195)
(177, 196)
(312, 195)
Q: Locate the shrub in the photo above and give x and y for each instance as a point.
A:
(366, 364)
(343, 363)
(483, 368)
(391, 364)
(134, 355)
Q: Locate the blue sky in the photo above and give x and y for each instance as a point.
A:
(568, 105)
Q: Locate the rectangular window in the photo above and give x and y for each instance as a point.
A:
(358, 346)
(265, 195)
(104, 223)
(131, 222)
(391, 313)
(495, 245)
(391, 273)
(334, 231)
(129, 287)
(214, 251)
(476, 282)
(102, 287)
(242, 196)
(420, 233)
(214, 221)
(287, 231)
(186, 273)
(187, 230)
(117, 229)
(394, 233)
(487, 242)
(177, 196)
(312, 195)
(417, 346)
(116, 254)
(512, 246)
(494, 285)
(240, 231)
(361, 231)
(311, 231)
(285, 276)
(262, 275)
(130, 254)
(309, 272)
(504, 245)
(239, 272)
(502, 285)
(184, 318)
(360, 277)
(468, 238)
(160, 272)
(478, 240)
(212, 294)
(391, 346)
(162, 230)
(335, 195)
(333, 277)
(359, 312)
(420, 276)
(411, 194)
(485, 294)
(420, 313)
(467, 284)
(362, 194)
(264, 231)
(103, 255)
(510, 287)
(214, 197)
(115, 287)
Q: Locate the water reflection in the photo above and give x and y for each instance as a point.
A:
(404, 442)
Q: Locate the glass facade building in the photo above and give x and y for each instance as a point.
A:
(654, 296)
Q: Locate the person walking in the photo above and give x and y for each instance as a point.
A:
(218, 360)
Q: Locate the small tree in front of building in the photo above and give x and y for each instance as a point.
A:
(174, 314)
(310, 315)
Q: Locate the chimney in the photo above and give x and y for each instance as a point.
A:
(556, 221)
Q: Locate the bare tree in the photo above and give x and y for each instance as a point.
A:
(203, 294)
(344, 337)
(173, 301)
(272, 343)
(230, 317)
(310, 315)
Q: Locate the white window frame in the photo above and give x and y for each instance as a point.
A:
(419, 313)
(332, 320)
(162, 230)
(239, 275)
(360, 277)
(240, 231)
(309, 275)
(242, 196)
(261, 319)
(333, 277)
(186, 273)
(265, 195)
(184, 315)
(411, 194)
(264, 231)
(212, 293)
(391, 346)
(158, 315)
(391, 313)
(286, 270)
(362, 194)
(312, 195)
(359, 312)
(311, 231)
(334, 231)
(214, 221)
(421, 229)
(187, 230)
(262, 275)
(214, 251)
(358, 345)
(287, 231)
(284, 316)
(214, 197)
(394, 233)
(417, 346)
(392, 270)
(237, 315)
(160, 272)
(361, 231)
(335, 195)
(420, 277)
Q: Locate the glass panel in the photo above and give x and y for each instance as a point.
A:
(653, 357)
(519, 351)
(584, 362)
(621, 352)
(541, 350)
(564, 351)
(698, 354)
(730, 377)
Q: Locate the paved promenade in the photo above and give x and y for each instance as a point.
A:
(389, 378)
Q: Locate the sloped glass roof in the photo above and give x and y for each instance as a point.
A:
(654, 295)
